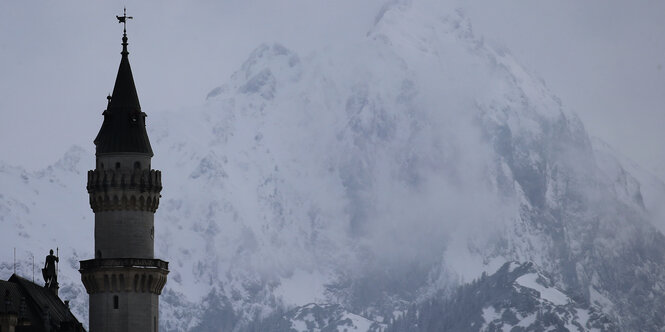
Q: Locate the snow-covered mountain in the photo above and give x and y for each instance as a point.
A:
(361, 180)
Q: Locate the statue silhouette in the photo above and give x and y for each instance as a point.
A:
(49, 270)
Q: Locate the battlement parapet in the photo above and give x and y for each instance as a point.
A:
(112, 190)
(141, 180)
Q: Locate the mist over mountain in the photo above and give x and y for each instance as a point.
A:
(367, 181)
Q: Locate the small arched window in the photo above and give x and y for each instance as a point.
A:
(115, 301)
(117, 165)
(137, 165)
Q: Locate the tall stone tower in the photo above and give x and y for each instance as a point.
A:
(124, 280)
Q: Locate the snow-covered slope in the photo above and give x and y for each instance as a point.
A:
(518, 297)
(367, 177)
(317, 317)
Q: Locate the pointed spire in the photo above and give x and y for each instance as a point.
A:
(124, 91)
(123, 129)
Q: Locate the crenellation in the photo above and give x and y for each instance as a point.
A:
(100, 180)
(109, 191)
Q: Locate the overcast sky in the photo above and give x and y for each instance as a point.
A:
(58, 60)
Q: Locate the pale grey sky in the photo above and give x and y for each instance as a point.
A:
(604, 59)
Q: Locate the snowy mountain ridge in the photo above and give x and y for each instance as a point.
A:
(365, 180)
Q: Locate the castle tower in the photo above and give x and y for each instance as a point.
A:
(124, 280)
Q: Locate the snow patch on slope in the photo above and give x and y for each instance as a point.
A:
(546, 293)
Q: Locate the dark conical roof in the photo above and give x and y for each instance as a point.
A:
(123, 129)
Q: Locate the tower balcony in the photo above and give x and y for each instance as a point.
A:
(113, 275)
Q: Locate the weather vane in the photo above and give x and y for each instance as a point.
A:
(123, 19)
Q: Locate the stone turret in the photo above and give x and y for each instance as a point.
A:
(124, 280)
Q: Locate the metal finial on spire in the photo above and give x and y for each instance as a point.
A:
(123, 19)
